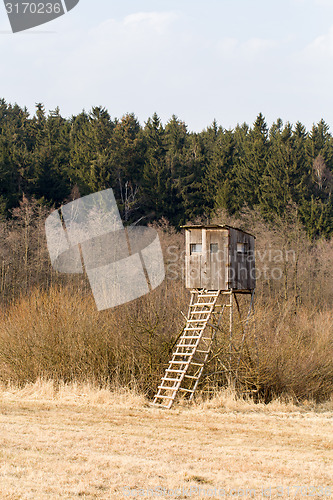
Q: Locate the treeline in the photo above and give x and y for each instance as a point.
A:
(166, 171)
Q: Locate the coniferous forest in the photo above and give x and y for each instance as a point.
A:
(165, 171)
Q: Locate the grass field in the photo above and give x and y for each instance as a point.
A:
(80, 442)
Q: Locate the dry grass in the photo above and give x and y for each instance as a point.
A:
(75, 441)
(59, 334)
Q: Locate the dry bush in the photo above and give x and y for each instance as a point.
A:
(52, 332)
(295, 352)
(59, 334)
(283, 355)
(49, 325)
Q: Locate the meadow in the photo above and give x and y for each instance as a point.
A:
(78, 441)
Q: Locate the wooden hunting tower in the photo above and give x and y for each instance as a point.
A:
(219, 257)
(219, 270)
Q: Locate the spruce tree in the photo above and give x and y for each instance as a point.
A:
(252, 163)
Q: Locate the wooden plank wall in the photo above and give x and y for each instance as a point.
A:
(242, 265)
(193, 263)
(207, 269)
(216, 276)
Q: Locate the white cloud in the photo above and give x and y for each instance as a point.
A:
(158, 21)
(322, 3)
(251, 49)
(228, 47)
(258, 49)
(322, 46)
(325, 3)
(259, 45)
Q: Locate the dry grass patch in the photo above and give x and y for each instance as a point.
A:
(79, 442)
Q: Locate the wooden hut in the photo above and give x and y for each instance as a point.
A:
(219, 257)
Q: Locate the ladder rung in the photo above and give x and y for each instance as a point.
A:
(191, 328)
(174, 371)
(182, 353)
(183, 338)
(202, 304)
(207, 295)
(167, 388)
(185, 345)
(164, 397)
(203, 320)
(202, 352)
(191, 376)
(192, 337)
(199, 320)
(167, 379)
(200, 312)
(185, 390)
(189, 337)
(197, 364)
(179, 363)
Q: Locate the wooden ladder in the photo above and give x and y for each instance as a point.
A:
(191, 351)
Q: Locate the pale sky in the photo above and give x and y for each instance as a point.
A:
(222, 59)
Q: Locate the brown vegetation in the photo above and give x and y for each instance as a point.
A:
(50, 328)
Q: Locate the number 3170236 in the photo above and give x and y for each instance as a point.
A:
(33, 8)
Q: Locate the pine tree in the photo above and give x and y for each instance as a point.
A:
(51, 156)
(176, 143)
(252, 163)
(126, 165)
(285, 180)
(276, 187)
(218, 179)
(91, 147)
(191, 182)
(155, 181)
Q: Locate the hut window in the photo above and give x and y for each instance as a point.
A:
(241, 248)
(195, 248)
(214, 247)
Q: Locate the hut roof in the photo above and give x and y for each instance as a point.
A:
(214, 226)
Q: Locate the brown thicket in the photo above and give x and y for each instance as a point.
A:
(50, 328)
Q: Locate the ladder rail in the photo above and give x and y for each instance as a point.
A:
(204, 310)
(207, 353)
(191, 350)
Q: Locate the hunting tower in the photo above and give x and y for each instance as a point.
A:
(219, 265)
(219, 258)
